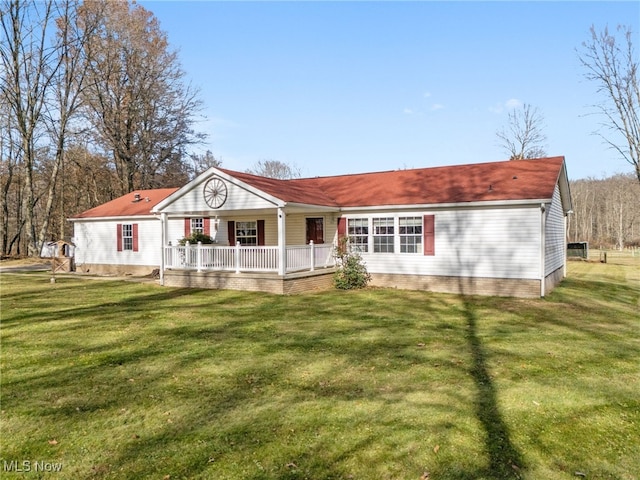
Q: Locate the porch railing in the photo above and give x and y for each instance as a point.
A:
(240, 258)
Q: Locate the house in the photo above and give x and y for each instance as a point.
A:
(487, 228)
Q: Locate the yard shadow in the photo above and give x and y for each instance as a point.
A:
(505, 461)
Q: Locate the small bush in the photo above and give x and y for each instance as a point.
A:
(352, 272)
(196, 237)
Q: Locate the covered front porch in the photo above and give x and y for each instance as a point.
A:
(249, 268)
(239, 258)
(258, 237)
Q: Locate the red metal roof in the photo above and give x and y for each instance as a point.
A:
(128, 205)
(496, 181)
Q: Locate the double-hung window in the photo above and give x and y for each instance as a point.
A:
(410, 230)
(358, 232)
(383, 235)
(247, 232)
(127, 236)
(197, 225)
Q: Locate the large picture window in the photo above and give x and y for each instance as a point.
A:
(358, 232)
(410, 230)
(397, 234)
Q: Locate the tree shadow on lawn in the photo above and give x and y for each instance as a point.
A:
(109, 363)
(505, 461)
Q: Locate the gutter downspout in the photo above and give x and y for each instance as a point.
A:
(543, 222)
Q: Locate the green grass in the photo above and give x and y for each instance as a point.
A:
(127, 380)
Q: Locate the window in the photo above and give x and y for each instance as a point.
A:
(197, 225)
(127, 236)
(358, 233)
(383, 230)
(410, 230)
(247, 233)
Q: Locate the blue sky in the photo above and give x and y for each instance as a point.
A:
(346, 87)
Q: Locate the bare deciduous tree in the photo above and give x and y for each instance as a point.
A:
(275, 169)
(141, 110)
(523, 136)
(29, 65)
(202, 162)
(612, 65)
(605, 211)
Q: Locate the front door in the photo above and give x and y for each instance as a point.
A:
(315, 230)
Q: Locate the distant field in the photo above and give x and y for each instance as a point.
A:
(109, 379)
(628, 256)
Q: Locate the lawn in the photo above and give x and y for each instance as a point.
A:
(113, 379)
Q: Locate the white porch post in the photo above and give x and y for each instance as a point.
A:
(163, 243)
(282, 242)
(312, 255)
(199, 257)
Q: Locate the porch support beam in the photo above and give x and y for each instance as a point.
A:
(282, 242)
(163, 243)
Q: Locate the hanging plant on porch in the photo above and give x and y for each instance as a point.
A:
(351, 272)
(196, 237)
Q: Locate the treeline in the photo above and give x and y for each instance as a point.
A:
(606, 212)
(93, 104)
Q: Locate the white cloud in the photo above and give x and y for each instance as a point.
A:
(513, 103)
(426, 94)
(408, 111)
(436, 106)
(509, 104)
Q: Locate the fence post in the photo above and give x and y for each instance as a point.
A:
(199, 257)
(312, 250)
(237, 257)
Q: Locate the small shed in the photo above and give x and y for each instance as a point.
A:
(61, 254)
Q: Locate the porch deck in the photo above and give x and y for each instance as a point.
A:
(249, 268)
(238, 258)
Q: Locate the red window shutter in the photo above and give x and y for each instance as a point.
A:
(119, 237)
(231, 227)
(134, 229)
(429, 232)
(260, 232)
(187, 227)
(207, 226)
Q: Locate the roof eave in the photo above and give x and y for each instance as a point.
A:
(433, 206)
(145, 216)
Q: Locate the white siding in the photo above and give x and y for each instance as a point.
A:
(96, 242)
(555, 241)
(297, 227)
(237, 199)
(493, 243)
